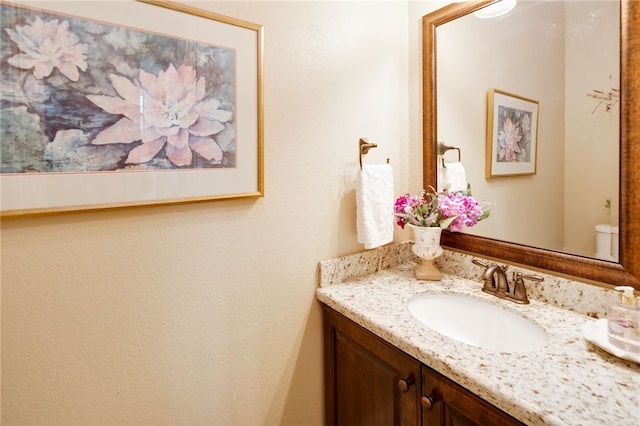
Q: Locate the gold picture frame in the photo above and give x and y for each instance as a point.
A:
(512, 135)
(98, 132)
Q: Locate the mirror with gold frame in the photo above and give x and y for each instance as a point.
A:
(626, 271)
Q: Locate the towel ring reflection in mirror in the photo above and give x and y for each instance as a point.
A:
(442, 149)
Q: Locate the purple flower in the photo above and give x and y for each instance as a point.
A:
(403, 209)
(465, 210)
(448, 210)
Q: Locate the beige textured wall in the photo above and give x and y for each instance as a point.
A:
(591, 179)
(205, 314)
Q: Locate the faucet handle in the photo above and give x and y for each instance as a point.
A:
(519, 289)
(486, 265)
(480, 263)
(531, 277)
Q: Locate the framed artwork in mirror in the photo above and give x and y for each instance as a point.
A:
(512, 135)
(127, 111)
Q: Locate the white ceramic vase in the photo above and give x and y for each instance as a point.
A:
(426, 246)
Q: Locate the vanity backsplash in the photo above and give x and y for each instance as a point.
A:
(586, 299)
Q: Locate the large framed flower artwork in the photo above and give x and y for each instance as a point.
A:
(128, 103)
(512, 135)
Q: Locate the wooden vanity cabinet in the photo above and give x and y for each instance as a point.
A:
(444, 402)
(369, 382)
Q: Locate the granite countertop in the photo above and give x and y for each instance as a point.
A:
(568, 382)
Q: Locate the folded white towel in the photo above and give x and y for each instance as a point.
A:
(452, 177)
(374, 203)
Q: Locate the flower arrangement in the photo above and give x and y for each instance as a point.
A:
(452, 210)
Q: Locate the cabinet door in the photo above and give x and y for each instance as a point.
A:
(368, 381)
(446, 403)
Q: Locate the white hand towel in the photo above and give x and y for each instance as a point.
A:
(374, 203)
(452, 177)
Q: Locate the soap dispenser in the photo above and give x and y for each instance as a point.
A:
(623, 321)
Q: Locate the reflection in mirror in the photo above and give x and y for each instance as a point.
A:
(555, 53)
(545, 219)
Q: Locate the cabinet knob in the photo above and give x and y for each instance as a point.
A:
(405, 384)
(427, 402)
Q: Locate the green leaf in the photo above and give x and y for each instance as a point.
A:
(444, 223)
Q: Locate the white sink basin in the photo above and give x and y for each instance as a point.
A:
(478, 323)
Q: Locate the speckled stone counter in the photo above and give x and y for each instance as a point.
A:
(569, 382)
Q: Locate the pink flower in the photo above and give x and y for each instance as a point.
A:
(164, 111)
(448, 210)
(404, 210)
(466, 210)
(508, 139)
(48, 45)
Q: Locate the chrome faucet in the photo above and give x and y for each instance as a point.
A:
(495, 282)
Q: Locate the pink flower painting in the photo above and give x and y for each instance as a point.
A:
(166, 111)
(514, 135)
(99, 97)
(508, 139)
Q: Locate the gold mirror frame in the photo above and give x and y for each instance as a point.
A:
(627, 271)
